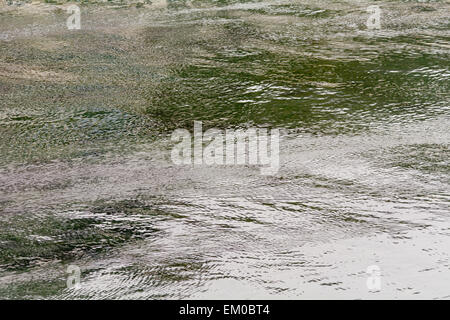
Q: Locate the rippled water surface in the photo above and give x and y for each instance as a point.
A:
(86, 177)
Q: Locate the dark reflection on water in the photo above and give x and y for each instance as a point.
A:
(86, 177)
(329, 96)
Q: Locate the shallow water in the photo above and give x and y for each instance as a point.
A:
(86, 177)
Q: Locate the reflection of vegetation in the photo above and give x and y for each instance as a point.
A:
(423, 157)
(232, 74)
(132, 207)
(33, 289)
(17, 2)
(30, 240)
(177, 4)
(75, 113)
(27, 241)
(240, 87)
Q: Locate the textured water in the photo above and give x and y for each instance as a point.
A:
(86, 177)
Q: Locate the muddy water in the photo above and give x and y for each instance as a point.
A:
(86, 177)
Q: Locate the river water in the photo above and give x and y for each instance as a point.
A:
(86, 177)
